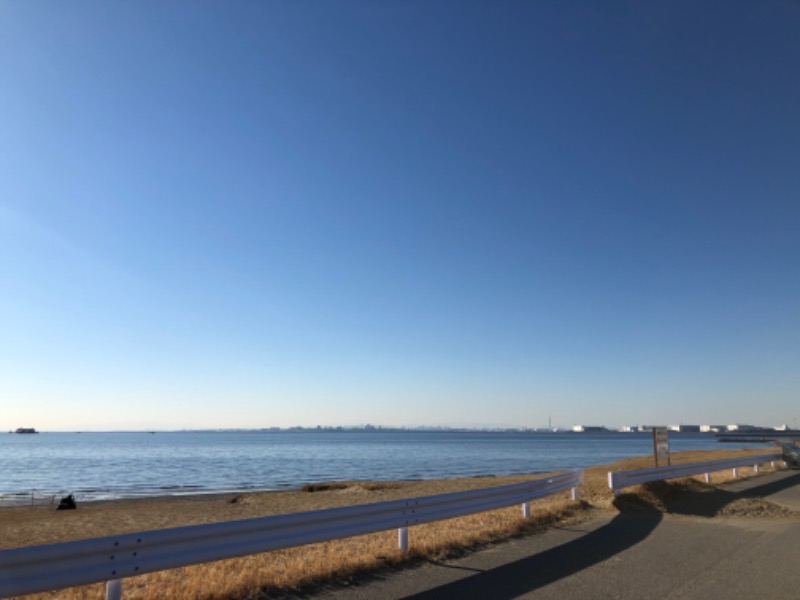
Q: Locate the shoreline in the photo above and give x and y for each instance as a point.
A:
(26, 525)
(39, 497)
(147, 465)
(306, 569)
(22, 499)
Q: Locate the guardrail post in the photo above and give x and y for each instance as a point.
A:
(526, 510)
(402, 539)
(708, 477)
(611, 483)
(755, 468)
(114, 589)
(772, 464)
(574, 493)
(735, 473)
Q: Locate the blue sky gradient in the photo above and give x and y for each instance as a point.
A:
(250, 214)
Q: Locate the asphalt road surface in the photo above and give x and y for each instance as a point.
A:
(693, 551)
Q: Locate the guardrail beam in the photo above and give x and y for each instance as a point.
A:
(34, 569)
(621, 479)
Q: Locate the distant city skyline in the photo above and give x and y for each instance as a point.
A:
(244, 215)
(701, 428)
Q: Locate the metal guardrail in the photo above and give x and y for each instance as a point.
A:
(621, 479)
(110, 559)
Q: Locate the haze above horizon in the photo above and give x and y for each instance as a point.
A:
(246, 215)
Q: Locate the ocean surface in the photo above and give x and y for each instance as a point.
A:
(99, 466)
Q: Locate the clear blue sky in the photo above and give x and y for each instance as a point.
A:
(253, 214)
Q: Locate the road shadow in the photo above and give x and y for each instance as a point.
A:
(639, 515)
(773, 487)
(693, 498)
(511, 580)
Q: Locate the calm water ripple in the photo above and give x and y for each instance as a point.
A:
(97, 466)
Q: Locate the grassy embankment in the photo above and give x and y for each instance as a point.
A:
(284, 571)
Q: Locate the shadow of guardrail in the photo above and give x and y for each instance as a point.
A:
(636, 521)
(693, 498)
(528, 574)
(773, 487)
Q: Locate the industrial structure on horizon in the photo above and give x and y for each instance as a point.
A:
(682, 428)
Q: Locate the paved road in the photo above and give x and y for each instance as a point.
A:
(685, 554)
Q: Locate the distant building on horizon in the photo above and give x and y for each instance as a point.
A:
(711, 428)
(685, 428)
(588, 428)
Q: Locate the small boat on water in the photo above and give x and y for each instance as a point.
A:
(26, 430)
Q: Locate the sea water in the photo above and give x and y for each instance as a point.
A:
(96, 466)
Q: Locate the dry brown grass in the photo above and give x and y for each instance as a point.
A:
(288, 571)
